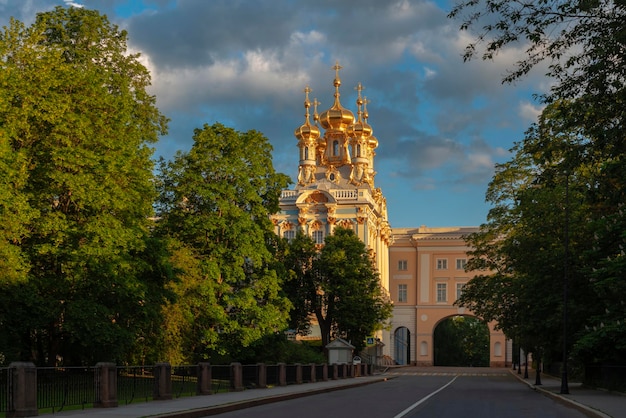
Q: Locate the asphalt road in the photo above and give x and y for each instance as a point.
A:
(440, 395)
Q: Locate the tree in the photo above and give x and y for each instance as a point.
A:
(76, 123)
(584, 42)
(461, 341)
(340, 286)
(521, 249)
(214, 203)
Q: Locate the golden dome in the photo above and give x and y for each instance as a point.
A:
(360, 128)
(337, 117)
(307, 131)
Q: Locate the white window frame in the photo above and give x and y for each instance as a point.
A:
(289, 234)
(442, 292)
(318, 236)
(402, 265)
(461, 263)
(403, 293)
(442, 264)
(459, 290)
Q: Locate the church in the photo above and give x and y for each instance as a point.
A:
(423, 269)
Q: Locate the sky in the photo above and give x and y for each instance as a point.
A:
(442, 124)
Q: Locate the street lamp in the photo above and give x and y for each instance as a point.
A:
(564, 385)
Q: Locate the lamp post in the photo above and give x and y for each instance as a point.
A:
(564, 384)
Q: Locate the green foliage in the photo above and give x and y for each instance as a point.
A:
(461, 341)
(75, 127)
(340, 286)
(214, 204)
(583, 41)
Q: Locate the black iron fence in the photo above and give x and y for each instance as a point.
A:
(29, 390)
(60, 387)
(135, 384)
(4, 390)
(605, 376)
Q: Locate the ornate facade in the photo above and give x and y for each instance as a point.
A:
(335, 184)
(336, 187)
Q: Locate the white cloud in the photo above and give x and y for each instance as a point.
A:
(530, 112)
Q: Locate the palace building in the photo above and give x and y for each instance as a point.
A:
(421, 268)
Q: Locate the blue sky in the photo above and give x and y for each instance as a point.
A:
(442, 124)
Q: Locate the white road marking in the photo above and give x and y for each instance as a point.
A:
(424, 399)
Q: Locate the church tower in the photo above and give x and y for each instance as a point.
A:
(335, 183)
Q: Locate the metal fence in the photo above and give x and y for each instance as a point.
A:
(62, 387)
(184, 380)
(272, 377)
(606, 376)
(220, 378)
(135, 383)
(4, 390)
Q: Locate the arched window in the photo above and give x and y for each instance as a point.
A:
(358, 150)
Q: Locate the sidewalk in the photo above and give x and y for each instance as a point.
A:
(592, 402)
(202, 406)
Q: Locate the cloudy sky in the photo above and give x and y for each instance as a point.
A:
(441, 123)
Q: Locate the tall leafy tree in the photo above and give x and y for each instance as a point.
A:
(584, 44)
(215, 201)
(339, 286)
(539, 213)
(76, 123)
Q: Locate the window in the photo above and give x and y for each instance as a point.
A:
(461, 263)
(289, 235)
(402, 295)
(318, 237)
(442, 292)
(459, 290)
(335, 147)
(442, 264)
(401, 264)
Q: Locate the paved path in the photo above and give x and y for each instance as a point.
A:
(594, 403)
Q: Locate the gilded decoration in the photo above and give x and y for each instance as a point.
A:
(306, 175)
(332, 174)
(316, 197)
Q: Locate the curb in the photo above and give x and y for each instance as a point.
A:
(588, 411)
(235, 406)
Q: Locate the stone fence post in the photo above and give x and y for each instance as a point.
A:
(106, 385)
(282, 374)
(236, 377)
(22, 401)
(205, 380)
(261, 375)
(162, 382)
(313, 373)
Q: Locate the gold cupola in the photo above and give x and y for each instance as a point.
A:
(337, 117)
(360, 128)
(307, 131)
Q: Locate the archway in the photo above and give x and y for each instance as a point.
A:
(402, 345)
(461, 341)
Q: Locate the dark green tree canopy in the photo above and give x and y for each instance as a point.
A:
(76, 124)
(339, 285)
(216, 201)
